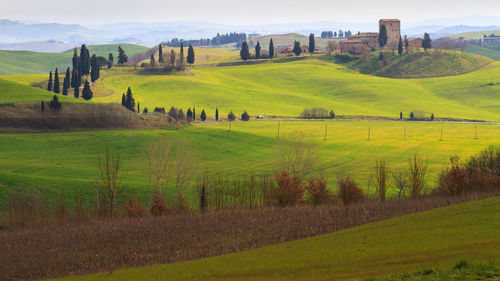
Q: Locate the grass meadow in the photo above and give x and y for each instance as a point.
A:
(432, 239)
(55, 162)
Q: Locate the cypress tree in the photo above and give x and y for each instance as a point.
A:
(245, 116)
(382, 36)
(407, 44)
(190, 57)
(56, 82)
(76, 59)
(427, 42)
(74, 78)
(400, 46)
(401, 115)
(76, 92)
(172, 58)
(65, 86)
(84, 65)
(160, 54)
(194, 113)
(87, 92)
(49, 86)
(110, 60)
(257, 50)
(122, 57)
(129, 100)
(124, 101)
(93, 65)
(54, 104)
(271, 48)
(189, 114)
(138, 108)
(152, 61)
(42, 107)
(312, 43)
(296, 48)
(432, 117)
(216, 114)
(182, 51)
(67, 78)
(244, 52)
(203, 115)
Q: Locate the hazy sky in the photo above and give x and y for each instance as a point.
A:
(240, 12)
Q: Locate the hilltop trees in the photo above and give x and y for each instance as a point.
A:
(49, 85)
(312, 43)
(66, 83)
(128, 100)
(172, 58)
(84, 64)
(296, 48)
(400, 46)
(190, 56)
(56, 82)
(54, 104)
(271, 48)
(382, 36)
(110, 60)
(257, 50)
(203, 115)
(244, 52)
(76, 92)
(160, 54)
(87, 92)
(95, 73)
(216, 114)
(75, 59)
(427, 42)
(122, 57)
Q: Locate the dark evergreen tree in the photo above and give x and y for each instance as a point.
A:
(216, 114)
(54, 104)
(400, 47)
(245, 116)
(231, 116)
(152, 61)
(432, 117)
(76, 59)
(189, 114)
(244, 52)
(160, 54)
(173, 112)
(42, 107)
(182, 51)
(84, 64)
(180, 114)
(296, 48)
(75, 79)
(124, 100)
(194, 113)
(67, 78)
(401, 115)
(382, 36)
(332, 114)
(427, 42)
(412, 116)
(56, 82)
(407, 44)
(49, 85)
(312, 43)
(122, 57)
(76, 92)
(87, 92)
(129, 100)
(138, 108)
(257, 50)
(271, 48)
(145, 110)
(94, 74)
(190, 57)
(203, 115)
(65, 86)
(110, 60)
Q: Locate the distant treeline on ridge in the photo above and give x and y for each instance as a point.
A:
(219, 39)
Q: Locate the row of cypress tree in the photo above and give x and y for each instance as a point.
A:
(245, 52)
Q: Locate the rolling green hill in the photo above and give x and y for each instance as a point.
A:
(487, 52)
(11, 92)
(436, 238)
(18, 62)
(420, 65)
(66, 161)
(475, 35)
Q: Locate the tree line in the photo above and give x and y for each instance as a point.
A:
(170, 61)
(219, 39)
(334, 34)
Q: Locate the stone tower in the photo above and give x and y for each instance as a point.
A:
(393, 27)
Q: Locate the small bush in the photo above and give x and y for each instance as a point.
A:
(317, 192)
(231, 116)
(181, 204)
(349, 191)
(158, 206)
(453, 180)
(289, 190)
(344, 58)
(134, 208)
(245, 116)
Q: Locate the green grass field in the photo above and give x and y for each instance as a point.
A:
(25, 62)
(11, 92)
(67, 161)
(487, 52)
(432, 239)
(475, 35)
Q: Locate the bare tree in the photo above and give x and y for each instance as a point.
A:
(381, 179)
(401, 183)
(158, 157)
(184, 169)
(417, 169)
(332, 46)
(172, 58)
(297, 157)
(109, 183)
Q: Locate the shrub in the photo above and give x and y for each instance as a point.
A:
(54, 104)
(158, 206)
(349, 191)
(231, 116)
(181, 204)
(203, 115)
(145, 110)
(159, 110)
(344, 58)
(317, 192)
(245, 116)
(453, 180)
(134, 208)
(289, 190)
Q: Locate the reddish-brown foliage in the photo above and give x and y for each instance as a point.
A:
(349, 191)
(134, 208)
(453, 180)
(49, 251)
(289, 190)
(158, 205)
(317, 192)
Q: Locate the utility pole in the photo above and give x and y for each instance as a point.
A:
(278, 129)
(369, 132)
(326, 128)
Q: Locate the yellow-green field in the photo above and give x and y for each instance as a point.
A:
(432, 239)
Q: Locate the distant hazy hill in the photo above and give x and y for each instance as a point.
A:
(26, 62)
(477, 34)
(49, 46)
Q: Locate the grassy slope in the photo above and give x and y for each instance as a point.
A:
(67, 161)
(285, 40)
(420, 65)
(17, 62)
(437, 238)
(203, 56)
(11, 92)
(475, 35)
(287, 88)
(487, 52)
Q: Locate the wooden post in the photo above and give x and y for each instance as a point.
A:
(278, 129)
(326, 128)
(369, 132)
(475, 131)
